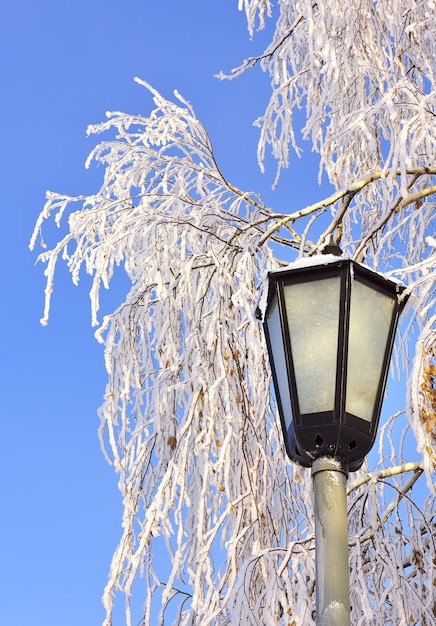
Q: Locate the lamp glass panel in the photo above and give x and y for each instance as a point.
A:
(370, 321)
(312, 310)
(278, 352)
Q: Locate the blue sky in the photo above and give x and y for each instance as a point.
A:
(63, 65)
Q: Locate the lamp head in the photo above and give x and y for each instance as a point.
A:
(330, 327)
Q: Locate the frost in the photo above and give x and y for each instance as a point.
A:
(216, 520)
(318, 259)
(335, 613)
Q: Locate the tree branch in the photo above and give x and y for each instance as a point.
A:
(348, 194)
(386, 473)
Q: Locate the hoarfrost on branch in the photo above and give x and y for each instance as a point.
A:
(188, 419)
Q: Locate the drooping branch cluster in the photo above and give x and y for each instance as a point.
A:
(363, 73)
(187, 420)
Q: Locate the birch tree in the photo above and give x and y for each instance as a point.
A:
(189, 419)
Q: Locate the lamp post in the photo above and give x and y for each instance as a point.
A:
(330, 326)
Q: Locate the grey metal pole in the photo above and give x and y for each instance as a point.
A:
(332, 582)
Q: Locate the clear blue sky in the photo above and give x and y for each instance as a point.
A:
(63, 65)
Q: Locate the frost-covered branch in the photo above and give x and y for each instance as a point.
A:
(416, 468)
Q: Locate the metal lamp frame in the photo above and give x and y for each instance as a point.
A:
(335, 433)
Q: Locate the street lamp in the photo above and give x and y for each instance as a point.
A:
(330, 326)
